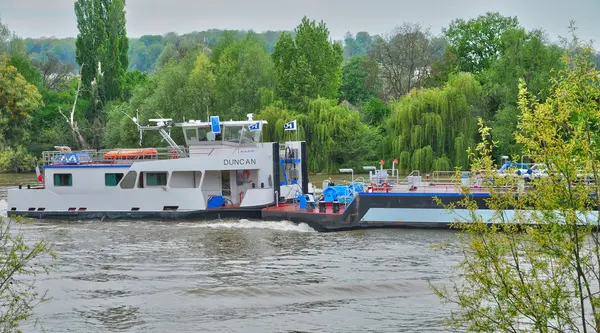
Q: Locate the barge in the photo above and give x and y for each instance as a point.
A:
(224, 171)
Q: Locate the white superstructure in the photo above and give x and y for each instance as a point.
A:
(225, 166)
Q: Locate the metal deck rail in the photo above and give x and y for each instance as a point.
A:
(64, 155)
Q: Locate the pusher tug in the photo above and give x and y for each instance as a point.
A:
(225, 171)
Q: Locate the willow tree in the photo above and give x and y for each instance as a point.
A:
(277, 116)
(434, 127)
(335, 135)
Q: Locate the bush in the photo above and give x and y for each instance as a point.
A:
(16, 160)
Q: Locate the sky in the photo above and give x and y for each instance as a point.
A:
(45, 18)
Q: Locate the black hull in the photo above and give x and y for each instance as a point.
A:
(197, 215)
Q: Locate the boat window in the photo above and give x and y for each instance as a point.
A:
(63, 179)
(156, 178)
(129, 180)
(232, 133)
(202, 133)
(185, 179)
(112, 179)
(191, 134)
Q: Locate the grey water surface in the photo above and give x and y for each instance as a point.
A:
(239, 276)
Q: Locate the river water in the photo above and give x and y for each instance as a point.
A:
(238, 276)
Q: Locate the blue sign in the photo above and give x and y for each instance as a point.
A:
(215, 124)
(255, 127)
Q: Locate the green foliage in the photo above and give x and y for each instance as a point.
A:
(244, 70)
(18, 99)
(374, 112)
(430, 123)
(15, 160)
(62, 48)
(537, 269)
(307, 66)
(442, 164)
(336, 137)
(133, 80)
(20, 262)
(144, 52)
(360, 80)
(49, 126)
(359, 46)
(29, 72)
(102, 45)
(525, 56)
(477, 42)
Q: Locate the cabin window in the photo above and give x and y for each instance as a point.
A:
(112, 179)
(191, 134)
(232, 133)
(156, 178)
(63, 179)
(129, 180)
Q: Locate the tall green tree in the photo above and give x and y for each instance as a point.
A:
(102, 46)
(525, 55)
(308, 65)
(244, 70)
(477, 42)
(360, 80)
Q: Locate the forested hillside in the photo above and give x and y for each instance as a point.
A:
(143, 52)
(411, 93)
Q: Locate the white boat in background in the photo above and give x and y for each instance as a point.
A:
(223, 171)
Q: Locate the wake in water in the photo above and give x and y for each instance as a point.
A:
(246, 224)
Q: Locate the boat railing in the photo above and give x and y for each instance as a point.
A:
(444, 177)
(111, 156)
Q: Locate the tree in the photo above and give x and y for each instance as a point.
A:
(360, 80)
(19, 265)
(244, 68)
(102, 45)
(536, 269)
(55, 73)
(406, 56)
(434, 123)
(307, 66)
(527, 56)
(29, 72)
(18, 99)
(374, 112)
(358, 46)
(477, 42)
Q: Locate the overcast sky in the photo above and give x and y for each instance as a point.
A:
(36, 18)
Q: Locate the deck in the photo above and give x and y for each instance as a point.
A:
(295, 208)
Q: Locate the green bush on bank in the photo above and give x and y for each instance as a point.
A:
(16, 160)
